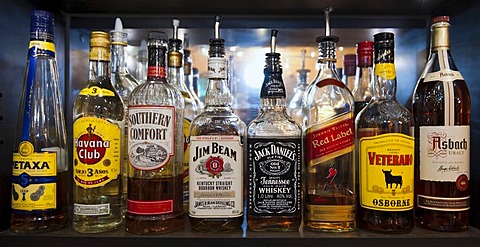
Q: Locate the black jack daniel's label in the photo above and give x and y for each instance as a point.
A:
(274, 176)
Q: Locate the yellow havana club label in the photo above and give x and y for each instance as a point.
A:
(386, 172)
(96, 152)
(34, 179)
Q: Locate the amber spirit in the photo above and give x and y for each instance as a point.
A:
(441, 107)
(385, 150)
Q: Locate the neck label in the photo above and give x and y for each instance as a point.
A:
(217, 68)
(385, 70)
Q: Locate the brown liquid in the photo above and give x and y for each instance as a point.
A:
(44, 220)
(326, 226)
(156, 189)
(429, 111)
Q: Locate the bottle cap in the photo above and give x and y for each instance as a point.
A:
(99, 39)
(118, 36)
(442, 18)
(349, 64)
(143, 53)
(365, 53)
(384, 40)
(157, 38)
(42, 25)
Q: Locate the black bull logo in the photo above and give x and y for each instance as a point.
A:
(391, 179)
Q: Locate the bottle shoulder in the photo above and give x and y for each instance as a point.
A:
(156, 93)
(217, 122)
(384, 114)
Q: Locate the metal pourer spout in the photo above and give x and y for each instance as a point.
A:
(176, 23)
(304, 57)
(327, 12)
(273, 42)
(217, 27)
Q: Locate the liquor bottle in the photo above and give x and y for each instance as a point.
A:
(385, 150)
(274, 156)
(216, 152)
(142, 62)
(328, 134)
(39, 172)
(349, 66)
(188, 70)
(124, 84)
(98, 128)
(295, 106)
(176, 77)
(155, 149)
(441, 107)
(363, 76)
(196, 78)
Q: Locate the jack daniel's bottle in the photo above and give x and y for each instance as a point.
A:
(39, 172)
(216, 161)
(329, 143)
(274, 156)
(385, 150)
(155, 149)
(441, 107)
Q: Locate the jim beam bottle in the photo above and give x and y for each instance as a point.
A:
(385, 150)
(39, 172)
(155, 149)
(329, 143)
(216, 161)
(274, 157)
(98, 125)
(441, 107)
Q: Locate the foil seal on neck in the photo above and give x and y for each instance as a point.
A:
(273, 86)
(42, 25)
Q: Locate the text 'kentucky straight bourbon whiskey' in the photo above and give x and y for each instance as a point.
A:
(274, 157)
(329, 144)
(216, 151)
(155, 149)
(385, 150)
(98, 128)
(441, 107)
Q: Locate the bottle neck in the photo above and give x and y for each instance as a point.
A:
(385, 81)
(440, 39)
(327, 59)
(363, 77)
(99, 65)
(272, 94)
(175, 68)
(118, 59)
(218, 93)
(157, 63)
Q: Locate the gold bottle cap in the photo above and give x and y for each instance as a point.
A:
(440, 35)
(99, 46)
(175, 59)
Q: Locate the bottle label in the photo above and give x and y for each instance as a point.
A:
(272, 87)
(34, 179)
(443, 204)
(150, 207)
(96, 91)
(91, 209)
(151, 136)
(217, 68)
(96, 155)
(386, 172)
(274, 175)
(216, 176)
(385, 70)
(336, 213)
(445, 154)
(157, 71)
(186, 156)
(447, 75)
(330, 139)
(37, 47)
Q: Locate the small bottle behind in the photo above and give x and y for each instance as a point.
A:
(98, 128)
(441, 107)
(274, 156)
(329, 143)
(349, 67)
(155, 149)
(295, 106)
(385, 150)
(188, 70)
(216, 164)
(363, 76)
(142, 62)
(40, 192)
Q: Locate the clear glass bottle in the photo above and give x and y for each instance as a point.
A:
(176, 77)
(98, 128)
(295, 106)
(39, 173)
(441, 108)
(363, 76)
(142, 62)
(349, 66)
(385, 150)
(216, 152)
(188, 70)
(124, 84)
(155, 149)
(274, 157)
(329, 143)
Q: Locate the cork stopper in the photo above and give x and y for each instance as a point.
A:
(442, 18)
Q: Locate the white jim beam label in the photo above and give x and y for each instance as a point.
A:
(216, 176)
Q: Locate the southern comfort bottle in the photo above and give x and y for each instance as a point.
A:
(441, 107)
(155, 149)
(385, 150)
(98, 128)
(216, 161)
(39, 172)
(329, 143)
(274, 157)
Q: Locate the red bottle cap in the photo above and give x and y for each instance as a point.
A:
(349, 64)
(365, 53)
(442, 18)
